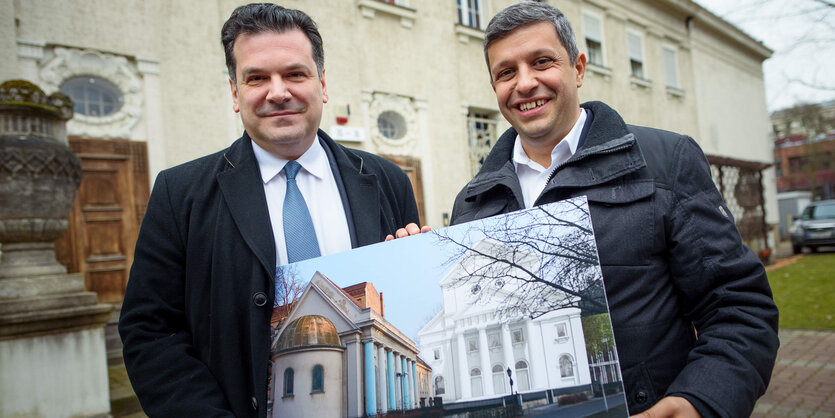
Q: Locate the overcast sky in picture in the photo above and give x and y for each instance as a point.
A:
(802, 35)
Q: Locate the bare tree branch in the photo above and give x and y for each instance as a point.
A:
(534, 262)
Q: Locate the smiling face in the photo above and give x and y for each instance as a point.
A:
(536, 85)
(278, 93)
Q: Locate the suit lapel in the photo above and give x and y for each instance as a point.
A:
(243, 191)
(361, 191)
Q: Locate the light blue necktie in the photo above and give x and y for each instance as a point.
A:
(299, 234)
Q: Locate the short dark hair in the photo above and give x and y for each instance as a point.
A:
(525, 13)
(265, 17)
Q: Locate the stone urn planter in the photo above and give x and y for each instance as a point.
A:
(39, 176)
(52, 347)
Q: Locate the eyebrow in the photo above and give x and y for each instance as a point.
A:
(292, 67)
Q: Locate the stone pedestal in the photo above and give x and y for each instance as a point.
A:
(52, 349)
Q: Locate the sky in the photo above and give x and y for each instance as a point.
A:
(802, 35)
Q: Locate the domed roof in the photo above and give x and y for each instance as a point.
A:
(308, 330)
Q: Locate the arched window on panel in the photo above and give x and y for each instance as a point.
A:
(475, 382)
(522, 376)
(566, 366)
(318, 379)
(288, 382)
(439, 385)
(499, 379)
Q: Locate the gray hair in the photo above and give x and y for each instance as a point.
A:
(525, 13)
(256, 18)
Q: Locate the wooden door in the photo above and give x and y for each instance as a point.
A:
(411, 166)
(106, 214)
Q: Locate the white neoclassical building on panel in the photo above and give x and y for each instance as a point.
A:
(470, 347)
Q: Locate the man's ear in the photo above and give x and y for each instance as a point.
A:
(235, 106)
(580, 67)
(324, 87)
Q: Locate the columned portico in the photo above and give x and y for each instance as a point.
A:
(484, 357)
(398, 383)
(462, 368)
(507, 349)
(382, 375)
(392, 382)
(370, 380)
(407, 393)
(539, 376)
(414, 385)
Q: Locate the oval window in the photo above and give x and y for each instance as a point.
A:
(391, 125)
(93, 96)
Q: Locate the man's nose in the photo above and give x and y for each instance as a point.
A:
(278, 92)
(526, 81)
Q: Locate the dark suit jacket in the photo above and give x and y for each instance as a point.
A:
(195, 318)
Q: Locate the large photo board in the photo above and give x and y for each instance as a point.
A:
(498, 317)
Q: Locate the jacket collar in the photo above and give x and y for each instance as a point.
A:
(607, 134)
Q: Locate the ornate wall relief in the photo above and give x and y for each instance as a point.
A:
(61, 64)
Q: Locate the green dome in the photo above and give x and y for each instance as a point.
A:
(306, 331)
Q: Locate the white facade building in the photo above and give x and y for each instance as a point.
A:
(470, 348)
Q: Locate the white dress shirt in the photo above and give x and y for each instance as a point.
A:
(318, 187)
(533, 177)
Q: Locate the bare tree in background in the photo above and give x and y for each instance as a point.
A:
(534, 262)
(803, 25)
(288, 289)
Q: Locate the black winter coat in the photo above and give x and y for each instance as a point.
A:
(691, 307)
(195, 318)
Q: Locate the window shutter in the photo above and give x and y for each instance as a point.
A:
(634, 47)
(592, 28)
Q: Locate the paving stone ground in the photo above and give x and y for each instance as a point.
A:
(803, 381)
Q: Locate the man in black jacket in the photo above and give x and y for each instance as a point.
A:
(195, 318)
(693, 316)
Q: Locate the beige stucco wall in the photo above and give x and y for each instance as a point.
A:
(428, 63)
(8, 46)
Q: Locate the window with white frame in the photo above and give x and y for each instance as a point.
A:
(499, 379)
(475, 381)
(522, 375)
(437, 353)
(494, 341)
(566, 366)
(517, 336)
(439, 385)
(562, 330)
(469, 13)
(671, 66)
(481, 128)
(635, 50)
(472, 344)
(593, 34)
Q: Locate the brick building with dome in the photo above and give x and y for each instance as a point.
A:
(335, 355)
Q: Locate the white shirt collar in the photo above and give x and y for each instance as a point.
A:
(558, 154)
(314, 161)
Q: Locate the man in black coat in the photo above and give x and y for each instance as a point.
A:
(195, 318)
(692, 313)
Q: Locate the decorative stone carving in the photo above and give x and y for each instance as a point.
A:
(405, 107)
(39, 176)
(62, 63)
